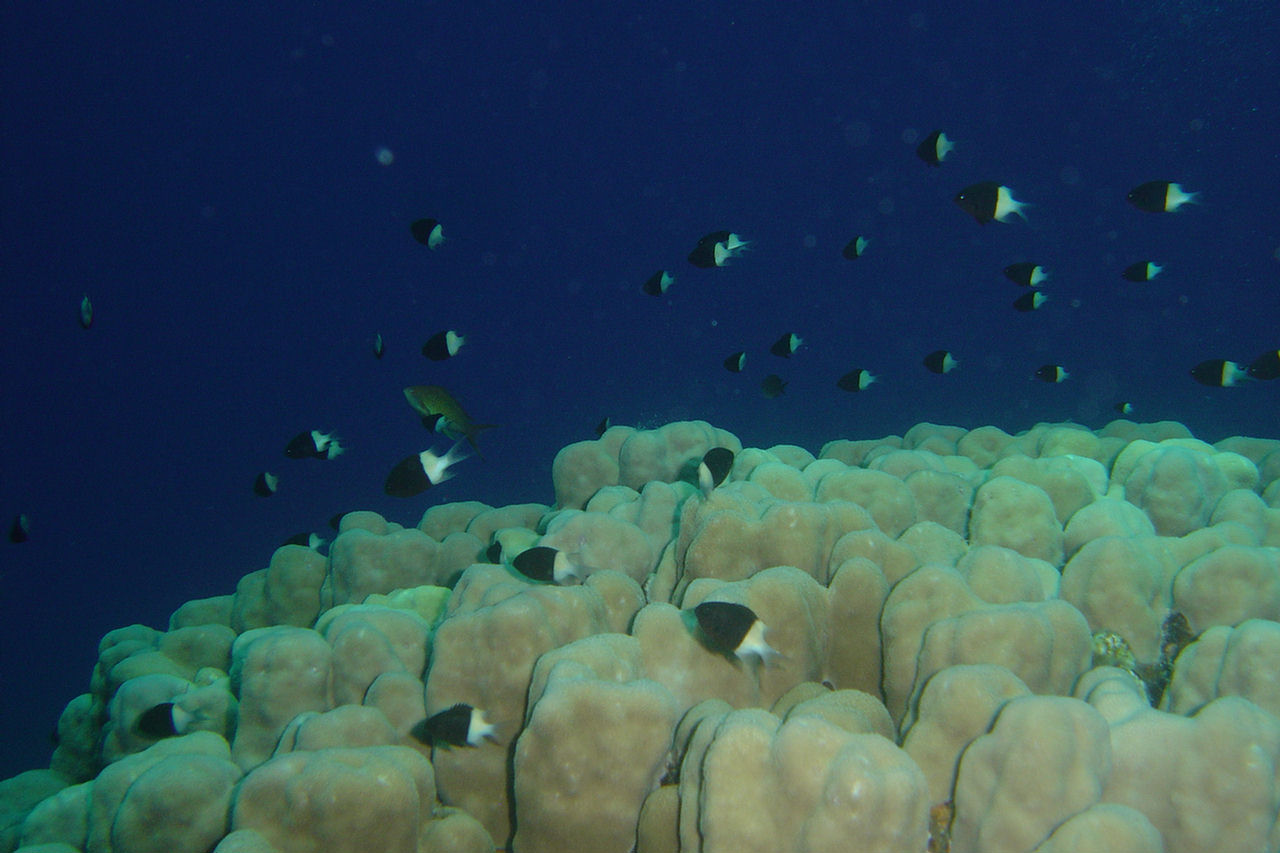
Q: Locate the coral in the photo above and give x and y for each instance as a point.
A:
(1179, 482)
(1015, 785)
(932, 620)
(1104, 826)
(1241, 661)
(574, 781)
(1165, 766)
(813, 786)
(956, 706)
(972, 628)
(476, 660)
(289, 800)
(1229, 585)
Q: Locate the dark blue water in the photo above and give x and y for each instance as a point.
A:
(211, 178)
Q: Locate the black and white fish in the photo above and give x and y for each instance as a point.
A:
(714, 468)
(988, 201)
(313, 444)
(940, 361)
(1052, 373)
(461, 725)
(1141, 271)
(735, 630)
(1265, 366)
(717, 249)
(265, 484)
(1026, 273)
(414, 474)
(163, 720)
(314, 541)
(1030, 301)
(784, 346)
(1219, 373)
(736, 362)
(20, 529)
(1160, 197)
(934, 148)
(428, 232)
(855, 380)
(658, 283)
(443, 345)
(854, 248)
(546, 564)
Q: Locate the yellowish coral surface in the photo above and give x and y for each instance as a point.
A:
(1059, 640)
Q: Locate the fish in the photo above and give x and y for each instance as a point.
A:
(934, 148)
(443, 345)
(507, 541)
(378, 349)
(265, 485)
(734, 630)
(1218, 373)
(433, 402)
(461, 725)
(1026, 273)
(86, 312)
(784, 346)
(1160, 197)
(940, 361)
(714, 468)
(773, 386)
(717, 249)
(418, 472)
(435, 423)
(736, 362)
(1141, 271)
(307, 540)
(546, 564)
(988, 201)
(428, 232)
(20, 529)
(1030, 301)
(1052, 373)
(855, 380)
(657, 284)
(1265, 366)
(163, 720)
(854, 248)
(1123, 408)
(313, 444)
(603, 426)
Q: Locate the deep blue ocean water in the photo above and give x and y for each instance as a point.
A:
(216, 180)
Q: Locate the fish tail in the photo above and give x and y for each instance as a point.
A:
(472, 431)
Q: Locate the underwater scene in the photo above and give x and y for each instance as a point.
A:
(446, 427)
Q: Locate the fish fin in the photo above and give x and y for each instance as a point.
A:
(471, 434)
